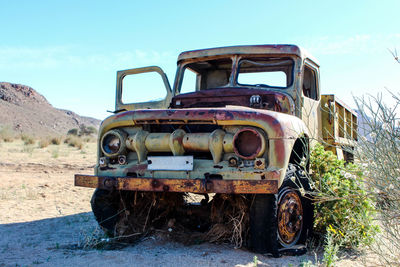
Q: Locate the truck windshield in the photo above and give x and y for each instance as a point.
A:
(208, 74)
(265, 72)
(261, 72)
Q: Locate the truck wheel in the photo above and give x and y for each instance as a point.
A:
(281, 220)
(105, 208)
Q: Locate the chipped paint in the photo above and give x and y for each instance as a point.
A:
(205, 125)
(178, 185)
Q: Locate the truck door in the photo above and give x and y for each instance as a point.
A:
(311, 99)
(142, 88)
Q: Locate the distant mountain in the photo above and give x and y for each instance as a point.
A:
(364, 128)
(27, 112)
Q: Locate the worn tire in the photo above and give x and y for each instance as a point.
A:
(105, 209)
(274, 218)
(263, 224)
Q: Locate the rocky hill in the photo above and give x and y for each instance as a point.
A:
(26, 111)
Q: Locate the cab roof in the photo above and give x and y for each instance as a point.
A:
(274, 49)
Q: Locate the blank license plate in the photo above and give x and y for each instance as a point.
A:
(170, 163)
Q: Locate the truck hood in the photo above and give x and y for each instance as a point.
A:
(276, 124)
(238, 96)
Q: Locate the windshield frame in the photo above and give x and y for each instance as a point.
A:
(280, 62)
(182, 65)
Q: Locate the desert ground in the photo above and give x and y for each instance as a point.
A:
(46, 220)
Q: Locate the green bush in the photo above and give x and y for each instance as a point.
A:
(73, 131)
(83, 131)
(87, 130)
(344, 211)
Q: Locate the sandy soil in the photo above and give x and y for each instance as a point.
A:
(44, 219)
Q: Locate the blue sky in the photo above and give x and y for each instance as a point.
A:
(69, 51)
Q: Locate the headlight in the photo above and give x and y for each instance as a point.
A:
(113, 143)
(249, 143)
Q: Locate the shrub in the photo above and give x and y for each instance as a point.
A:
(8, 139)
(84, 130)
(27, 148)
(89, 139)
(55, 153)
(379, 153)
(44, 143)
(6, 134)
(74, 141)
(55, 140)
(343, 208)
(28, 140)
(73, 131)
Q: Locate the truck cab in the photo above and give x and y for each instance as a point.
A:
(285, 78)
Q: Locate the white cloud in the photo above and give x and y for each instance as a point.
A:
(28, 57)
(75, 57)
(358, 44)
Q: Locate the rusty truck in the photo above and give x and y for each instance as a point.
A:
(242, 125)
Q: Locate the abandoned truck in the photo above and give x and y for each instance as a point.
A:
(237, 124)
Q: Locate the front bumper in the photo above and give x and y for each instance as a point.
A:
(179, 185)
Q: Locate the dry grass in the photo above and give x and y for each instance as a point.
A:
(55, 153)
(379, 153)
(89, 139)
(16, 151)
(74, 141)
(225, 221)
(43, 143)
(56, 140)
(27, 148)
(91, 238)
(7, 134)
(28, 140)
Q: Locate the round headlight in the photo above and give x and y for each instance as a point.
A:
(112, 143)
(248, 143)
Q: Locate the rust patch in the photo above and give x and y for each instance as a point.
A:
(124, 114)
(259, 163)
(137, 168)
(182, 185)
(165, 188)
(155, 183)
(188, 184)
(253, 183)
(109, 183)
(248, 143)
(125, 184)
(290, 217)
(233, 162)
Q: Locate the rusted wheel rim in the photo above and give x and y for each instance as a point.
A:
(290, 217)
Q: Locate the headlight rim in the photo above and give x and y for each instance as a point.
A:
(259, 152)
(122, 147)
